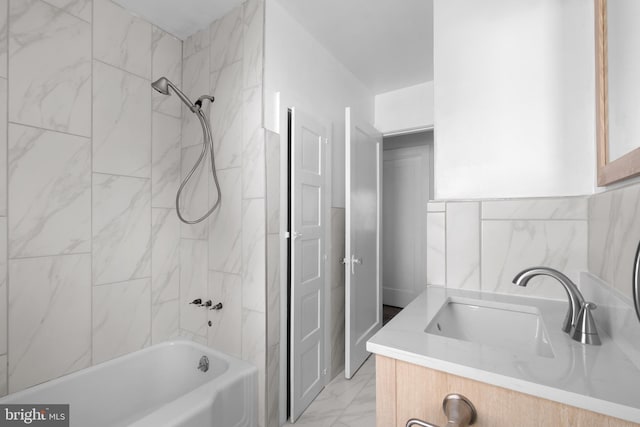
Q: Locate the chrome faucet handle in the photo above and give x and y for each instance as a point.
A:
(585, 330)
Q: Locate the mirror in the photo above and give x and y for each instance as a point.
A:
(617, 89)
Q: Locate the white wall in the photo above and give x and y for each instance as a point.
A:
(308, 77)
(405, 109)
(514, 97)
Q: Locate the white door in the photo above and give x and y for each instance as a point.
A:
(308, 147)
(405, 190)
(363, 298)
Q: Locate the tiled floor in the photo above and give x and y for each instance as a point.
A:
(345, 403)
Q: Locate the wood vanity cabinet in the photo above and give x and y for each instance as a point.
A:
(405, 391)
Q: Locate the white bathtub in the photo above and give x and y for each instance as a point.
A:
(158, 386)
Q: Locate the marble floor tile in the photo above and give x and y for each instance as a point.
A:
(345, 402)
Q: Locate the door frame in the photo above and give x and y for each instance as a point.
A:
(285, 103)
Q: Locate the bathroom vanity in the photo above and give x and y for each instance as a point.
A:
(508, 356)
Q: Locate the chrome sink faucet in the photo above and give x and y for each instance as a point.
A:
(575, 297)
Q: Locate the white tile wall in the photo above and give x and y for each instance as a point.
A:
(226, 288)
(52, 320)
(165, 166)
(463, 245)
(49, 211)
(56, 235)
(225, 236)
(121, 228)
(488, 242)
(121, 318)
(227, 117)
(165, 263)
(80, 8)
(193, 285)
(614, 233)
(50, 76)
(121, 122)
(121, 39)
(436, 248)
(166, 56)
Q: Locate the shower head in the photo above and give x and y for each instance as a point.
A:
(163, 84)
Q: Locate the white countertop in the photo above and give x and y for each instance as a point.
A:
(597, 378)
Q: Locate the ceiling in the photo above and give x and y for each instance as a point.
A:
(181, 18)
(387, 44)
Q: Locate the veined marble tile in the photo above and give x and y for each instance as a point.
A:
(273, 181)
(509, 247)
(436, 248)
(555, 208)
(254, 350)
(195, 82)
(253, 145)
(225, 234)
(3, 287)
(226, 323)
(121, 39)
(362, 410)
(121, 228)
(196, 42)
(79, 8)
(273, 289)
(627, 236)
(165, 168)
(49, 211)
(3, 147)
(604, 209)
(193, 285)
(166, 53)
(226, 40)
(3, 375)
(253, 255)
(4, 15)
(121, 122)
(463, 245)
(165, 319)
(253, 46)
(49, 316)
(184, 334)
(194, 199)
(50, 67)
(121, 318)
(165, 249)
(226, 116)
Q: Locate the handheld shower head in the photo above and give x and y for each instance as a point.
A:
(163, 84)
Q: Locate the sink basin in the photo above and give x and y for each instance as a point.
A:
(516, 328)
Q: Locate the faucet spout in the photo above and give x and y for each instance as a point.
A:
(575, 297)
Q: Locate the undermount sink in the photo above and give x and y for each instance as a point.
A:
(511, 327)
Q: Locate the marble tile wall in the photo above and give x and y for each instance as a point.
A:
(481, 245)
(225, 60)
(614, 233)
(89, 260)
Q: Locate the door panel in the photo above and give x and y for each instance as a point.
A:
(405, 190)
(307, 261)
(363, 294)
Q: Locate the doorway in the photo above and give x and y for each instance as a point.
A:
(407, 187)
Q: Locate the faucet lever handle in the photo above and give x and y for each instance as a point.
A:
(585, 330)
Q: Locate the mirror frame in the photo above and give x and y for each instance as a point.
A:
(628, 165)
